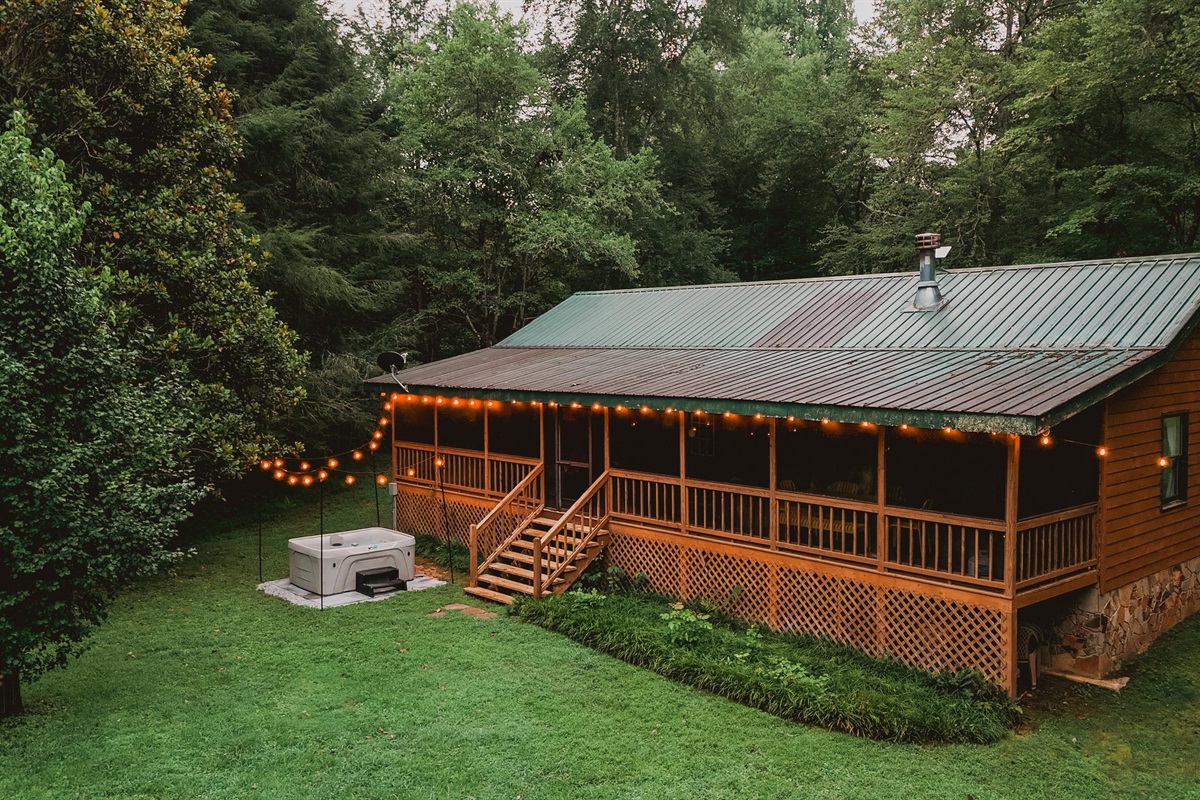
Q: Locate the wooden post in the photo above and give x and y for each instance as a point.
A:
(487, 463)
(608, 506)
(881, 540)
(1011, 508)
(542, 449)
(474, 555)
(1099, 543)
(684, 519)
(1010, 515)
(537, 568)
(773, 514)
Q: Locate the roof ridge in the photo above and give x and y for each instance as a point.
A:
(1097, 262)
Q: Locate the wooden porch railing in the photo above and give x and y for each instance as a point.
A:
(558, 548)
(962, 549)
(491, 473)
(826, 526)
(741, 512)
(525, 501)
(641, 497)
(967, 549)
(1056, 545)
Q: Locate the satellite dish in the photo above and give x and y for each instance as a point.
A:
(392, 362)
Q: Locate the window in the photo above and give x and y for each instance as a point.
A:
(1174, 459)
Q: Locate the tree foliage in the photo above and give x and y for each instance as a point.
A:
(92, 482)
(110, 87)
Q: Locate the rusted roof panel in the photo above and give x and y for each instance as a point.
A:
(1016, 349)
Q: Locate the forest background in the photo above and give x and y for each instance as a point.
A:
(426, 178)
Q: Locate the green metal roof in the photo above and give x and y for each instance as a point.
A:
(1017, 349)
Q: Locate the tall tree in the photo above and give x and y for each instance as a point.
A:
(503, 201)
(91, 483)
(111, 88)
(941, 82)
(308, 114)
(1107, 142)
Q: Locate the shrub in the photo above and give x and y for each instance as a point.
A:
(798, 678)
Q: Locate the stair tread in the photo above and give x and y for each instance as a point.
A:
(516, 586)
(512, 569)
(524, 558)
(489, 594)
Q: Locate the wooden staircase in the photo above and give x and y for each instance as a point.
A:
(548, 551)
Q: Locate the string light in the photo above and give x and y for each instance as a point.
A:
(411, 472)
(279, 462)
(349, 480)
(279, 474)
(1045, 438)
(441, 400)
(425, 399)
(387, 406)
(292, 480)
(378, 434)
(824, 420)
(304, 466)
(381, 479)
(728, 414)
(758, 416)
(357, 455)
(332, 463)
(322, 475)
(383, 421)
(1102, 451)
(439, 462)
(306, 480)
(373, 446)
(904, 426)
(620, 408)
(1164, 462)
(595, 406)
(265, 464)
(645, 409)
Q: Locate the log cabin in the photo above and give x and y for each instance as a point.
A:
(920, 465)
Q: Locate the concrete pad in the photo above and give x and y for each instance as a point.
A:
(286, 590)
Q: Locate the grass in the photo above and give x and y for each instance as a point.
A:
(201, 687)
(798, 678)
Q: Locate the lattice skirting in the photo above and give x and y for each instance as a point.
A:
(877, 614)
(420, 510)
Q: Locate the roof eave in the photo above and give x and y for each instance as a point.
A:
(890, 417)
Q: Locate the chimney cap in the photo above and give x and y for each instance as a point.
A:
(929, 241)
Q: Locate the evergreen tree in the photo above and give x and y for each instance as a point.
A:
(308, 115)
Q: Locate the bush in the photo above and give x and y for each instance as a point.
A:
(798, 678)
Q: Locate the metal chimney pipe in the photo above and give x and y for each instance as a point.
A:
(929, 294)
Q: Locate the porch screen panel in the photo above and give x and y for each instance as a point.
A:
(833, 459)
(461, 426)
(644, 441)
(513, 429)
(1064, 473)
(414, 422)
(739, 451)
(952, 472)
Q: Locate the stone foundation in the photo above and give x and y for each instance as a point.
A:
(1098, 632)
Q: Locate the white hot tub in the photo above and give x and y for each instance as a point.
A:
(331, 567)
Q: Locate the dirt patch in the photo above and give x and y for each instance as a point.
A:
(427, 567)
(470, 611)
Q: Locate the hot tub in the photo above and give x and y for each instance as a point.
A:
(330, 567)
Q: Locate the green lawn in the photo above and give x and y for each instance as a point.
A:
(200, 686)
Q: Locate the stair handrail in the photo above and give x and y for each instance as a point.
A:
(562, 523)
(505, 502)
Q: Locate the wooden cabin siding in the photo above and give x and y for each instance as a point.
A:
(1140, 538)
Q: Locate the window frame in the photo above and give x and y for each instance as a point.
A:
(1176, 463)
